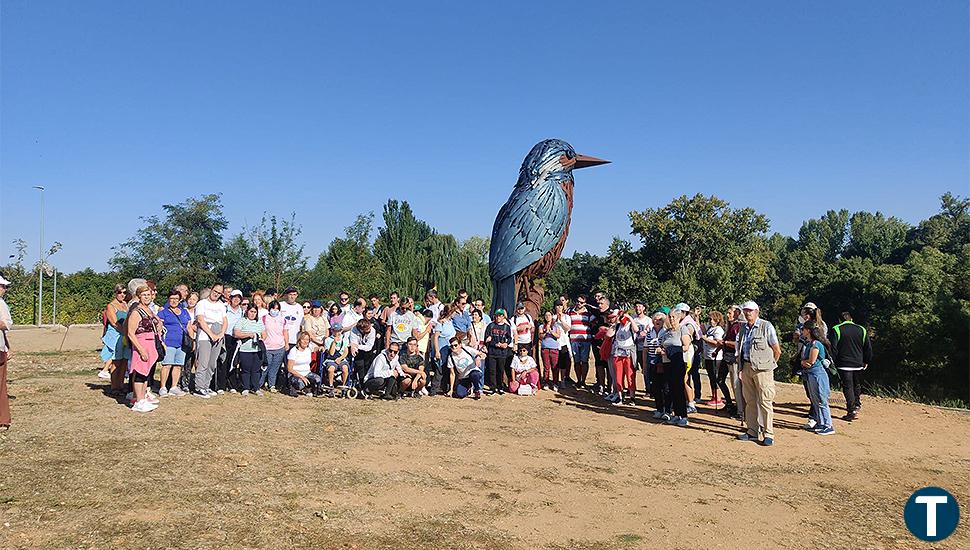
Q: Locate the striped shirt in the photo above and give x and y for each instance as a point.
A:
(579, 326)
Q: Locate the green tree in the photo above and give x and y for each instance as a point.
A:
(280, 261)
(875, 236)
(398, 245)
(349, 264)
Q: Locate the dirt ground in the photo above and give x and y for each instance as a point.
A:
(79, 470)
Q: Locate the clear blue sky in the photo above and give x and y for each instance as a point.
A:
(326, 109)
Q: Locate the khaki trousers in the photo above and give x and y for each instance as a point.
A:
(758, 388)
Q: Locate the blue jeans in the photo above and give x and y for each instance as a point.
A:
(298, 384)
(441, 367)
(818, 389)
(472, 383)
(274, 359)
(580, 357)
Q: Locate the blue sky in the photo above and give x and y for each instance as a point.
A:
(329, 110)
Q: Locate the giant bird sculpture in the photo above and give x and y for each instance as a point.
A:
(530, 229)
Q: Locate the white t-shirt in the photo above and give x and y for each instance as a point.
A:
(716, 333)
(565, 323)
(293, 313)
(212, 312)
(436, 310)
(301, 359)
(523, 326)
(463, 362)
(520, 365)
(349, 323)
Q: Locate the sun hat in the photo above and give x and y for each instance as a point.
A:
(750, 305)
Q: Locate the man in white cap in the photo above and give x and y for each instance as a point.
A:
(758, 352)
(6, 323)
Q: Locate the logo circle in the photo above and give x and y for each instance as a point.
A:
(931, 514)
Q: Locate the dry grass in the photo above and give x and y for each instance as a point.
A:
(79, 470)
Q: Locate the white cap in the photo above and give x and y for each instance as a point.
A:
(682, 307)
(236, 292)
(4, 281)
(750, 305)
(809, 305)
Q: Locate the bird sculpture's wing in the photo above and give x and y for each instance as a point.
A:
(527, 227)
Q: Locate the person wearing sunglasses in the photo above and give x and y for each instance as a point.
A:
(115, 351)
(465, 364)
(381, 379)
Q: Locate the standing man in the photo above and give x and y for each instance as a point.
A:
(211, 322)
(760, 351)
(579, 340)
(6, 323)
(851, 353)
(355, 314)
(432, 303)
(293, 313)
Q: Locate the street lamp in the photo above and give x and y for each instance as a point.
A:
(40, 260)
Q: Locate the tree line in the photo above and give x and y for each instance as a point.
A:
(909, 284)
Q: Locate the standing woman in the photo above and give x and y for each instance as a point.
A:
(713, 339)
(176, 321)
(276, 335)
(624, 351)
(249, 331)
(476, 330)
(6, 323)
(550, 331)
(813, 353)
(260, 301)
(444, 331)
(675, 349)
(115, 349)
(142, 329)
(644, 322)
(565, 323)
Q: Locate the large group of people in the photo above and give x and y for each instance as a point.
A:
(219, 340)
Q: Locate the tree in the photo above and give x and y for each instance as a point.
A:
(182, 246)
(349, 264)
(398, 244)
(875, 236)
(280, 261)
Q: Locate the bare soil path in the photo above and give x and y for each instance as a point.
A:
(79, 470)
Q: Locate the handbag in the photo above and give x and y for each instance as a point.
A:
(188, 344)
(159, 345)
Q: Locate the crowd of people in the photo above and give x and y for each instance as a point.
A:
(219, 340)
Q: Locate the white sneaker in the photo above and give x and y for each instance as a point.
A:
(220, 392)
(202, 394)
(244, 392)
(810, 425)
(176, 392)
(424, 391)
(151, 398)
(211, 393)
(259, 393)
(233, 390)
(104, 375)
(163, 392)
(143, 406)
(272, 389)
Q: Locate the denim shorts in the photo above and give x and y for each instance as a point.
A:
(174, 356)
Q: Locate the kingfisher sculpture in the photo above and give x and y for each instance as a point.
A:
(531, 228)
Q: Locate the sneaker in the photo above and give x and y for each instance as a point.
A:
(810, 425)
(673, 420)
(658, 415)
(681, 421)
(104, 375)
(500, 391)
(202, 394)
(424, 391)
(213, 393)
(767, 442)
(477, 396)
(259, 392)
(747, 437)
(233, 390)
(143, 406)
(163, 393)
(716, 403)
(825, 430)
(244, 392)
(176, 392)
(692, 407)
(151, 398)
(220, 392)
(273, 389)
(850, 417)
(666, 417)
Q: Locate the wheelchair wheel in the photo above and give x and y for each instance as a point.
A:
(351, 393)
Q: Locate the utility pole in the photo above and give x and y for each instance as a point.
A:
(40, 263)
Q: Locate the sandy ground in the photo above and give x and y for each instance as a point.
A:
(80, 470)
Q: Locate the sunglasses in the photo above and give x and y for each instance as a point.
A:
(392, 352)
(456, 345)
(306, 307)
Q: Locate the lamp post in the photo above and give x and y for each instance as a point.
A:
(40, 261)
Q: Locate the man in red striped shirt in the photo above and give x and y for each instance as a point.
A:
(579, 340)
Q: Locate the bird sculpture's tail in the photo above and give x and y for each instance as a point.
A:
(503, 294)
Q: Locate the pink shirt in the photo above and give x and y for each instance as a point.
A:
(275, 331)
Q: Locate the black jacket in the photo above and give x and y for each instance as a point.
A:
(851, 347)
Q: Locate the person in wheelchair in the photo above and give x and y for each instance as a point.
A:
(334, 357)
(412, 363)
(298, 367)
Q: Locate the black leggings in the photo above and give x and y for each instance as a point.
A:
(674, 372)
(723, 371)
(717, 382)
(660, 389)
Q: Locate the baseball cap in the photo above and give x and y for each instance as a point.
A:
(4, 281)
(809, 305)
(316, 303)
(665, 310)
(236, 292)
(519, 305)
(499, 311)
(682, 307)
(289, 289)
(750, 305)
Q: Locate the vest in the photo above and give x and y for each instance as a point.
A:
(761, 356)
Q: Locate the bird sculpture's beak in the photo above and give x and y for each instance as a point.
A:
(583, 161)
